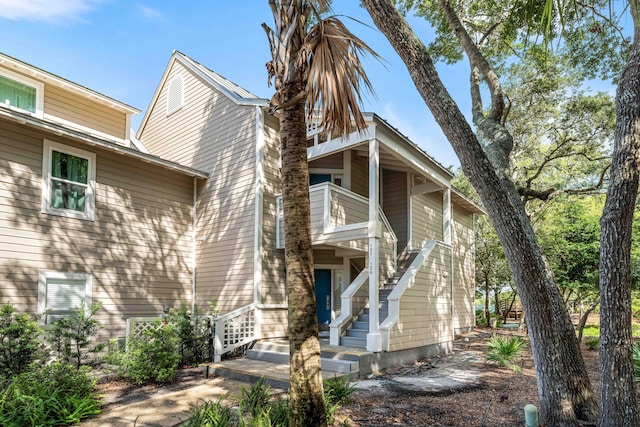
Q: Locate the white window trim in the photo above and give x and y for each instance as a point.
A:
(169, 86)
(48, 148)
(39, 87)
(44, 276)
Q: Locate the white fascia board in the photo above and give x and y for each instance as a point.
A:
(52, 79)
(340, 144)
(60, 130)
(195, 68)
(415, 160)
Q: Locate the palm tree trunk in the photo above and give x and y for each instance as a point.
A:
(305, 392)
(618, 402)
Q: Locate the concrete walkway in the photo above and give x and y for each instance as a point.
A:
(446, 372)
(166, 410)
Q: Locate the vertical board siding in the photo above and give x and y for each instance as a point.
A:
(359, 175)
(333, 161)
(464, 269)
(65, 105)
(138, 249)
(426, 210)
(395, 203)
(213, 134)
(425, 308)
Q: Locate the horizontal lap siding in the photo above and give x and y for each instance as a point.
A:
(138, 249)
(426, 210)
(360, 175)
(213, 134)
(425, 307)
(464, 268)
(59, 103)
(273, 275)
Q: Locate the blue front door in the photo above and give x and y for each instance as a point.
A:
(323, 295)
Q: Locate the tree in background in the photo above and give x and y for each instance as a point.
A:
(315, 64)
(491, 31)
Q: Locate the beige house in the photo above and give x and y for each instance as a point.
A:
(188, 211)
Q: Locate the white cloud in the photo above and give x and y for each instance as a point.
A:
(151, 14)
(45, 10)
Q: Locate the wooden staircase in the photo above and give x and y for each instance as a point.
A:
(356, 334)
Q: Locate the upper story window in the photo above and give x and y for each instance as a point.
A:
(21, 93)
(175, 95)
(68, 181)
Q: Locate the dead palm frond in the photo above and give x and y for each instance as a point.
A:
(330, 55)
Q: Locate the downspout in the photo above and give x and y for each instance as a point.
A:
(448, 240)
(193, 247)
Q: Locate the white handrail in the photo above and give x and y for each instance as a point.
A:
(394, 297)
(235, 329)
(339, 324)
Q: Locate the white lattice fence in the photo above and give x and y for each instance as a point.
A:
(136, 326)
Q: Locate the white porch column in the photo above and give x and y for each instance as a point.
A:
(374, 339)
(447, 217)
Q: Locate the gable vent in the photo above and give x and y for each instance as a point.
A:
(174, 95)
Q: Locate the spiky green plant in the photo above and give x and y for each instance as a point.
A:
(505, 351)
(636, 361)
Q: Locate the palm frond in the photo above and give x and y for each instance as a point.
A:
(335, 76)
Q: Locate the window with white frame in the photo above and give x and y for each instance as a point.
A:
(21, 93)
(59, 293)
(68, 181)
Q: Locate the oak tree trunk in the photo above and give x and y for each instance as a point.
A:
(306, 395)
(618, 402)
(563, 385)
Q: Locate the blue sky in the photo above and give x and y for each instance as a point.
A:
(121, 47)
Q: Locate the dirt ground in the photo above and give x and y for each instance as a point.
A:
(496, 400)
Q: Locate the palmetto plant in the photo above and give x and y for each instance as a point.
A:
(505, 351)
(315, 63)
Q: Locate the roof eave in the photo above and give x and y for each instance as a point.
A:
(64, 131)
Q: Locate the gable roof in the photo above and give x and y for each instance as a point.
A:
(234, 92)
(39, 74)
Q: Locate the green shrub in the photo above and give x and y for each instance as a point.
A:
(255, 399)
(19, 341)
(636, 361)
(209, 414)
(71, 338)
(190, 328)
(58, 394)
(338, 390)
(153, 357)
(592, 342)
(505, 351)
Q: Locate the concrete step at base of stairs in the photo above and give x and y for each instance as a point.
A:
(328, 362)
(250, 371)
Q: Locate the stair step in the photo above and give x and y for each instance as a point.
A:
(358, 333)
(360, 325)
(353, 342)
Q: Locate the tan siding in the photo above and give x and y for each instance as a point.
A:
(274, 323)
(395, 203)
(74, 108)
(273, 276)
(426, 218)
(138, 249)
(425, 308)
(359, 175)
(211, 133)
(333, 161)
(464, 269)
